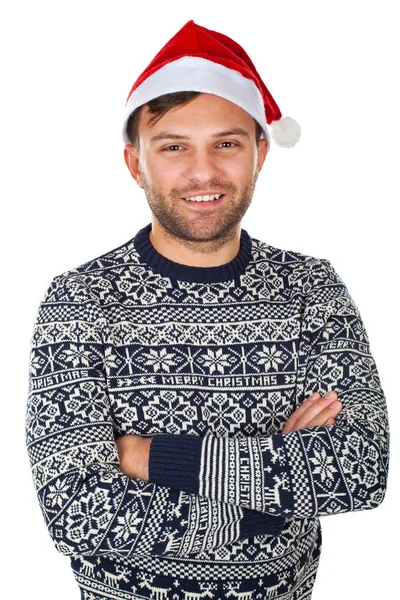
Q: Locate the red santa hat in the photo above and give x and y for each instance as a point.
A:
(201, 60)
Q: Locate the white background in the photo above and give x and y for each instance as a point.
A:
(67, 196)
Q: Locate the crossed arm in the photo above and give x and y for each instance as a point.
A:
(310, 467)
(317, 410)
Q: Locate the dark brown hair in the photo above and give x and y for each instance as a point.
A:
(161, 105)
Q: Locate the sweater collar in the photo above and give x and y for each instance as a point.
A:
(177, 271)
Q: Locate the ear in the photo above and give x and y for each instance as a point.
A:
(132, 162)
(262, 151)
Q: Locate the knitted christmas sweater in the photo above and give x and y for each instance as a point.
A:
(209, 362)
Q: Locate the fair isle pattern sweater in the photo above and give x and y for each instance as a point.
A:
(209, 362)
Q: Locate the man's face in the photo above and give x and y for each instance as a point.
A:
(193, 150)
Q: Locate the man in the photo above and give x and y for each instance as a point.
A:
(183, 424)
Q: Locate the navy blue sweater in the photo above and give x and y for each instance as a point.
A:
(209, 362)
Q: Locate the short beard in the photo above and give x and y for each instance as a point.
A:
(178, 227)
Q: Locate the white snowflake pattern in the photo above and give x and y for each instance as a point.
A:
(58, 493)
(127, 525)
(77, 355)
(110, 359)
(270, 357)
(215, 361)
(160, 360)
(323, 466)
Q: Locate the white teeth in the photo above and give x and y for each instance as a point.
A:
(203, 198)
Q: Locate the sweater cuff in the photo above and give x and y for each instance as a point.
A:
(258, 523)
(174, 461)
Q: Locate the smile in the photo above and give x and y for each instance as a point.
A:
(203, 201)
(206, 198)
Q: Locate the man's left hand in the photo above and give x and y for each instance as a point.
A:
(133, 451)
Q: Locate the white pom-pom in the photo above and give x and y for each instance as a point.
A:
(286, 132)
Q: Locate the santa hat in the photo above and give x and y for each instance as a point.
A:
(201, 60)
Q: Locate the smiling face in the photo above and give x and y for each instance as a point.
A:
(206, 146)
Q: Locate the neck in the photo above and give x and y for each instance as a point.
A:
(209, 253)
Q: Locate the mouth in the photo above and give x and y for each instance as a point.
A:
(203, 202)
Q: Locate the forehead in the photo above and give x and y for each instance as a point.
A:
(205, 114)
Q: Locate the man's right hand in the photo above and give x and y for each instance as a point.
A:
(317, 410)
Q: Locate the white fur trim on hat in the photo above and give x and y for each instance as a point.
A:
(200, 75)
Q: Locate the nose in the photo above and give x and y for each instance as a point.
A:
(201, 165)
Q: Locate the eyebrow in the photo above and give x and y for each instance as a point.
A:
(176, 136)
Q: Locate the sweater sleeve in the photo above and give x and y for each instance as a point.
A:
(311, 471)
(90, 507)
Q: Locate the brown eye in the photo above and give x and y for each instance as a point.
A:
(172, 146)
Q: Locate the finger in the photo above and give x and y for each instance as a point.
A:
(302, 408)
(323, 417)
(314, 410)
(330, 412)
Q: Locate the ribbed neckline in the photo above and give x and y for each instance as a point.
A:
(177, 271)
